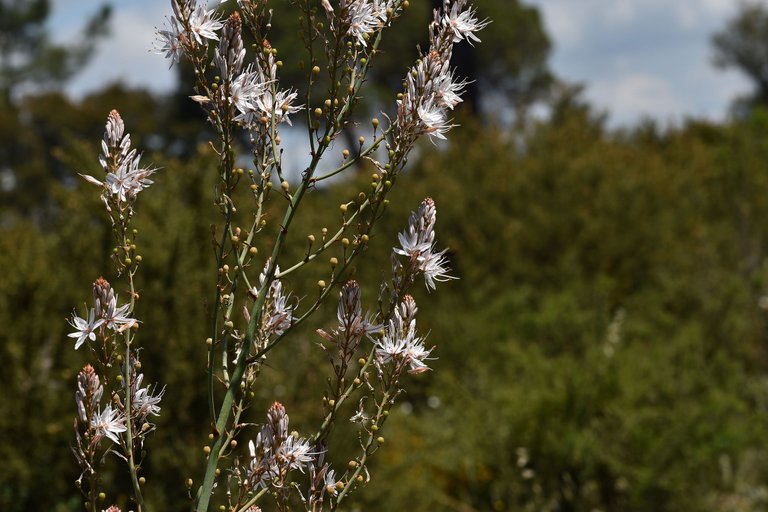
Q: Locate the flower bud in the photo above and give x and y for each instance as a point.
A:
(321, 284)
(375, 122)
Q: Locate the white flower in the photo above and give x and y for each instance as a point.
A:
(282, 100)
(380, 8)
(295, 452)
(110, 422)
(362, 20)
(128, 180)
(416, 353)
(433, 119)
(447, 92)
(435, 268)
(400, 344)
(117, 317)
(204, 24)
(278, 313)
(330, 482)
(84, 328)
(144, 402)
(245, 89)
(168, 42)
(463, 23)
(419, 236)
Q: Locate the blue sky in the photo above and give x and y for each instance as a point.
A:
(637, 58)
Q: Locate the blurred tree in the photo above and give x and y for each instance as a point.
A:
(743, 45)
(31, 63)
(27, 54)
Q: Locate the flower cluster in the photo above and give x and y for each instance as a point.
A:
(430, 88)
(105, 313)
(276, 452)
(399, 344)
(417, 242)
(353, 325)
(96, 423)
(125, 177)
(278, 312)
(190, 23)
(249, 90)
(238, 88)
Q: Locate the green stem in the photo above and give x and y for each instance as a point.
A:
(128, 403)
(225, 410)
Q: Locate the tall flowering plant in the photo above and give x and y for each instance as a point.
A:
(370, 353)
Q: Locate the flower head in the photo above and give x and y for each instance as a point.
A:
(399, 344)
(168, 41)
(279, 105)
(144, 401)
(204, 24)
(84, 328)
(109, 423)
(363, 19)
(463, 23)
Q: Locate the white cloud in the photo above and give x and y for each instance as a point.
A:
(125, 56)
(636, 96)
